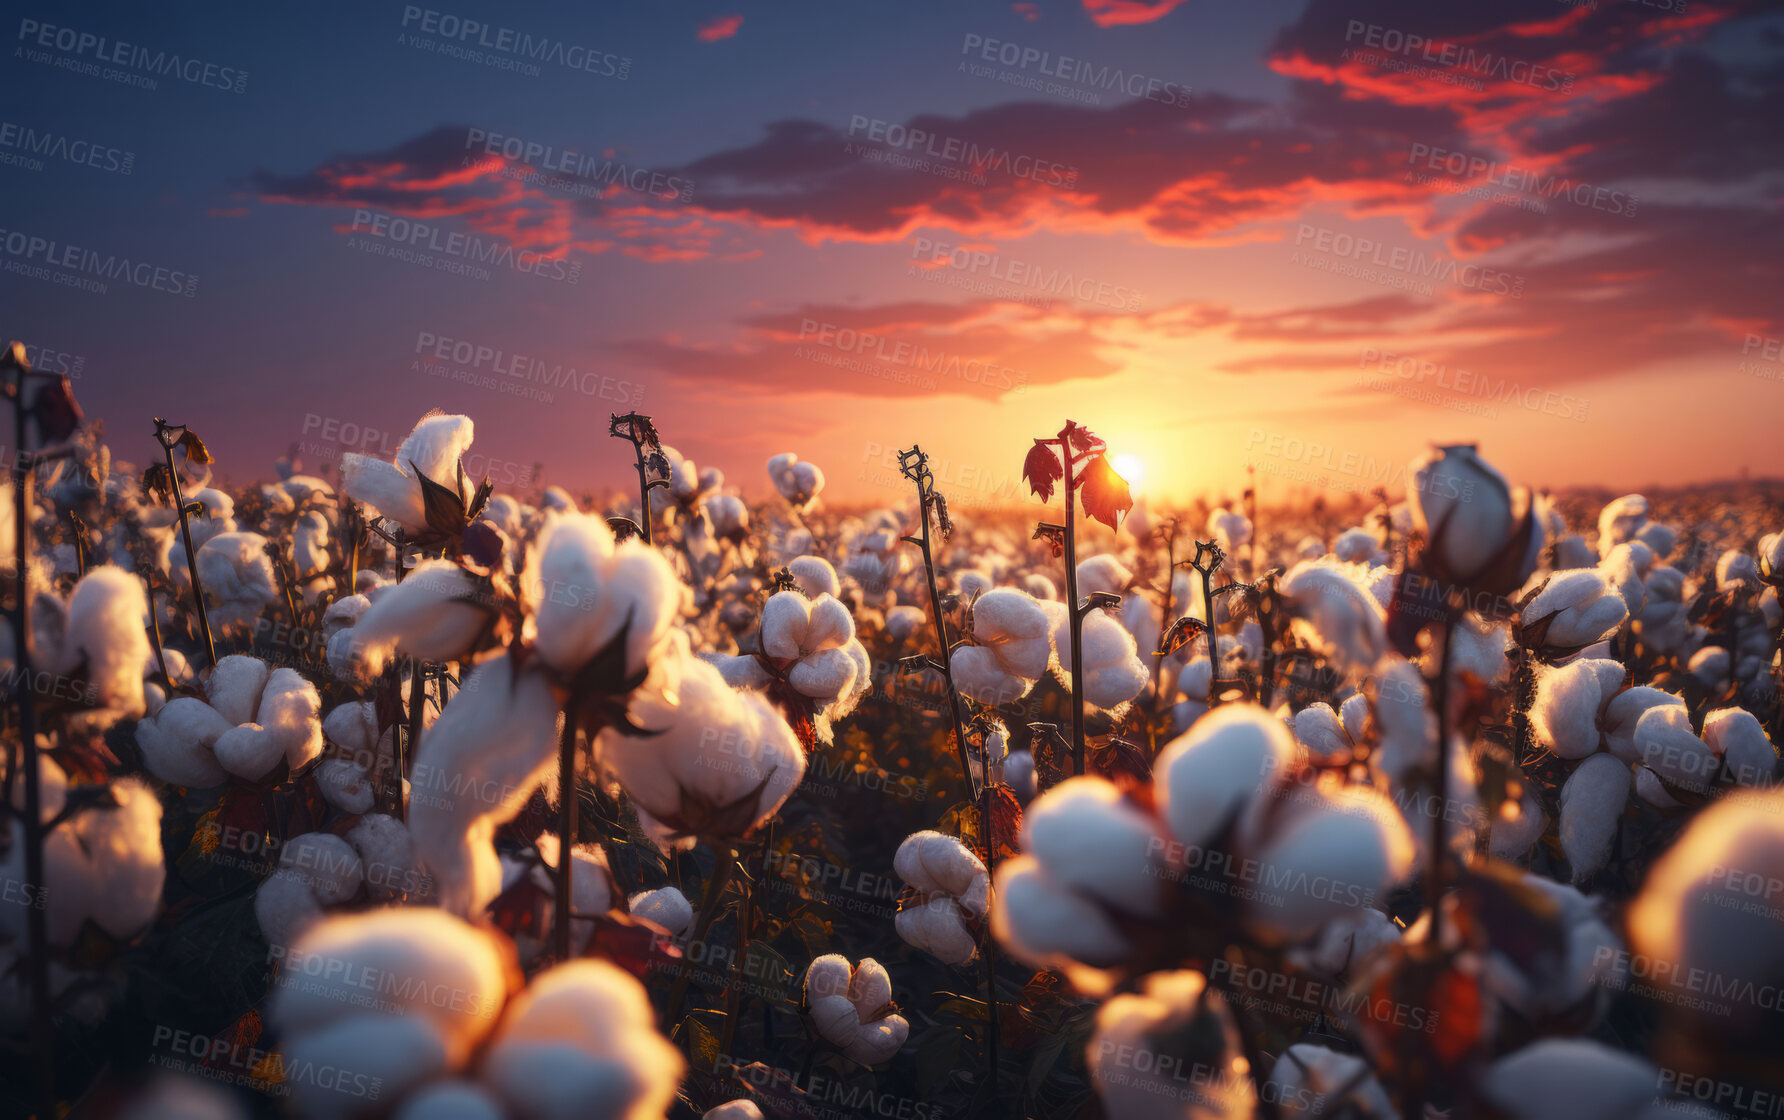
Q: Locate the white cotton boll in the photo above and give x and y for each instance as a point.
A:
(1332, 859)
(1230, 529)
(815, 576)
(1169, 1050)
(387, 853)
(1307, 1079)
(1317, 727)
(903, 621)
(828, 975)
(120, 861)
(1094, 842)
(1623, 714)
(345, 785)
(1336, 616)
(739, 1109)
(450, 1100)
(1047, 925)
(1660, 538)
(1668, 746)
(289, 710)
(1480, 652)
(1771, 556)
(786, 617)
(1627, 568)
(177, 743)
(1196, 679)
(1652, 790)
(1353, 546)
(249, 751)
(52, 788)
(826, 675)
(1592, 802)
(235, 685)
(344, 613)
(474, 769)
(743, 671)
(353, 727)
(1512, 837)
(1737, 737)
(237, 575)
(1114, 685)
(1354, 713)
(1619, 521)
(870, 988)
(1404, 718)
(1709, 666)
(665, 906)
(285, 908)
(580, 1041)
(1579, 606)
(326, 863)
(935, 863)
(878, 1041)
(1019, 775)
(1347, 943)
(585, 589)
(830, 626)
(1211, 773)
(970, 584)
(1039, 586)
(1185, 714)
(1735, 568)
(105, 631)
(1593, 957)
(981, 678)
(720, 759)
(1564, 712)
(434, 614)
(936, 928)
(417, 953)
(396, 1055)
(835, 1019)
(1570, 1079)
(1103, 573)
(178, 1097)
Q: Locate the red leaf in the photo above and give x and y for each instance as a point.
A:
(1105, 493)
(1121, 762)
(1081, 437)
(1041, 470)
(1006, 825)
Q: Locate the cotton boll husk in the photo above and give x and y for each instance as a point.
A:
(1623, 715)
(1334, 858)
(714, 748)
(417, 952)
(593, 1023)
(1667, 745)
(105, 630)
(878, 1041)
(1564, 712)
(1317, 727)
(1592, 802)
(450, 1100)
(1206, 776)
(1307, 1079)
(1047, 925)
(474, 769)
(1570, 1079)
(936, 928)
(426, 616)
(665, 906)
(1698, 913)
(1737, 738)
(176, 743)
(1146, 1040)
(938, 864)
(235, 685)
(396, 1055)
(387, 853)
(1094, 842)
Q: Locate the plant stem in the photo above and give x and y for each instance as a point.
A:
(709, 904)
(1075, 619)
(941, 638)
(36, 917)
(1165, 620)
(734, 990)
(1434, 876)
(1213, 636)
(560, 922)
(179, 504)
(988, 942)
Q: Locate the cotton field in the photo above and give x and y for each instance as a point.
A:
(411, 795)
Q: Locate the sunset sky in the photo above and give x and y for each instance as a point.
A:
(1310, 235)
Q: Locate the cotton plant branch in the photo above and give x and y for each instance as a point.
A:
(638, 430)
(196, 452)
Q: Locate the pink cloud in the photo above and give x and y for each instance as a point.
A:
(719, 27)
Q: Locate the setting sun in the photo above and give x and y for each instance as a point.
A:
(1132, 469)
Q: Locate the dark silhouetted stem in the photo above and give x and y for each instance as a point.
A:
(709, 905)
(567, 807)
(179, 505)
(1074, 617)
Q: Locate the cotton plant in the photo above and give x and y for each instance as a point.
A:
(95, 641)
(320, 871)
(1010, 646)
(851, 1008)
(950, 889)
(1097, 865)
(810, 664)
(797, 481)
(1113, 671)
(254, 718)
(577, 1041)
(423, 493)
